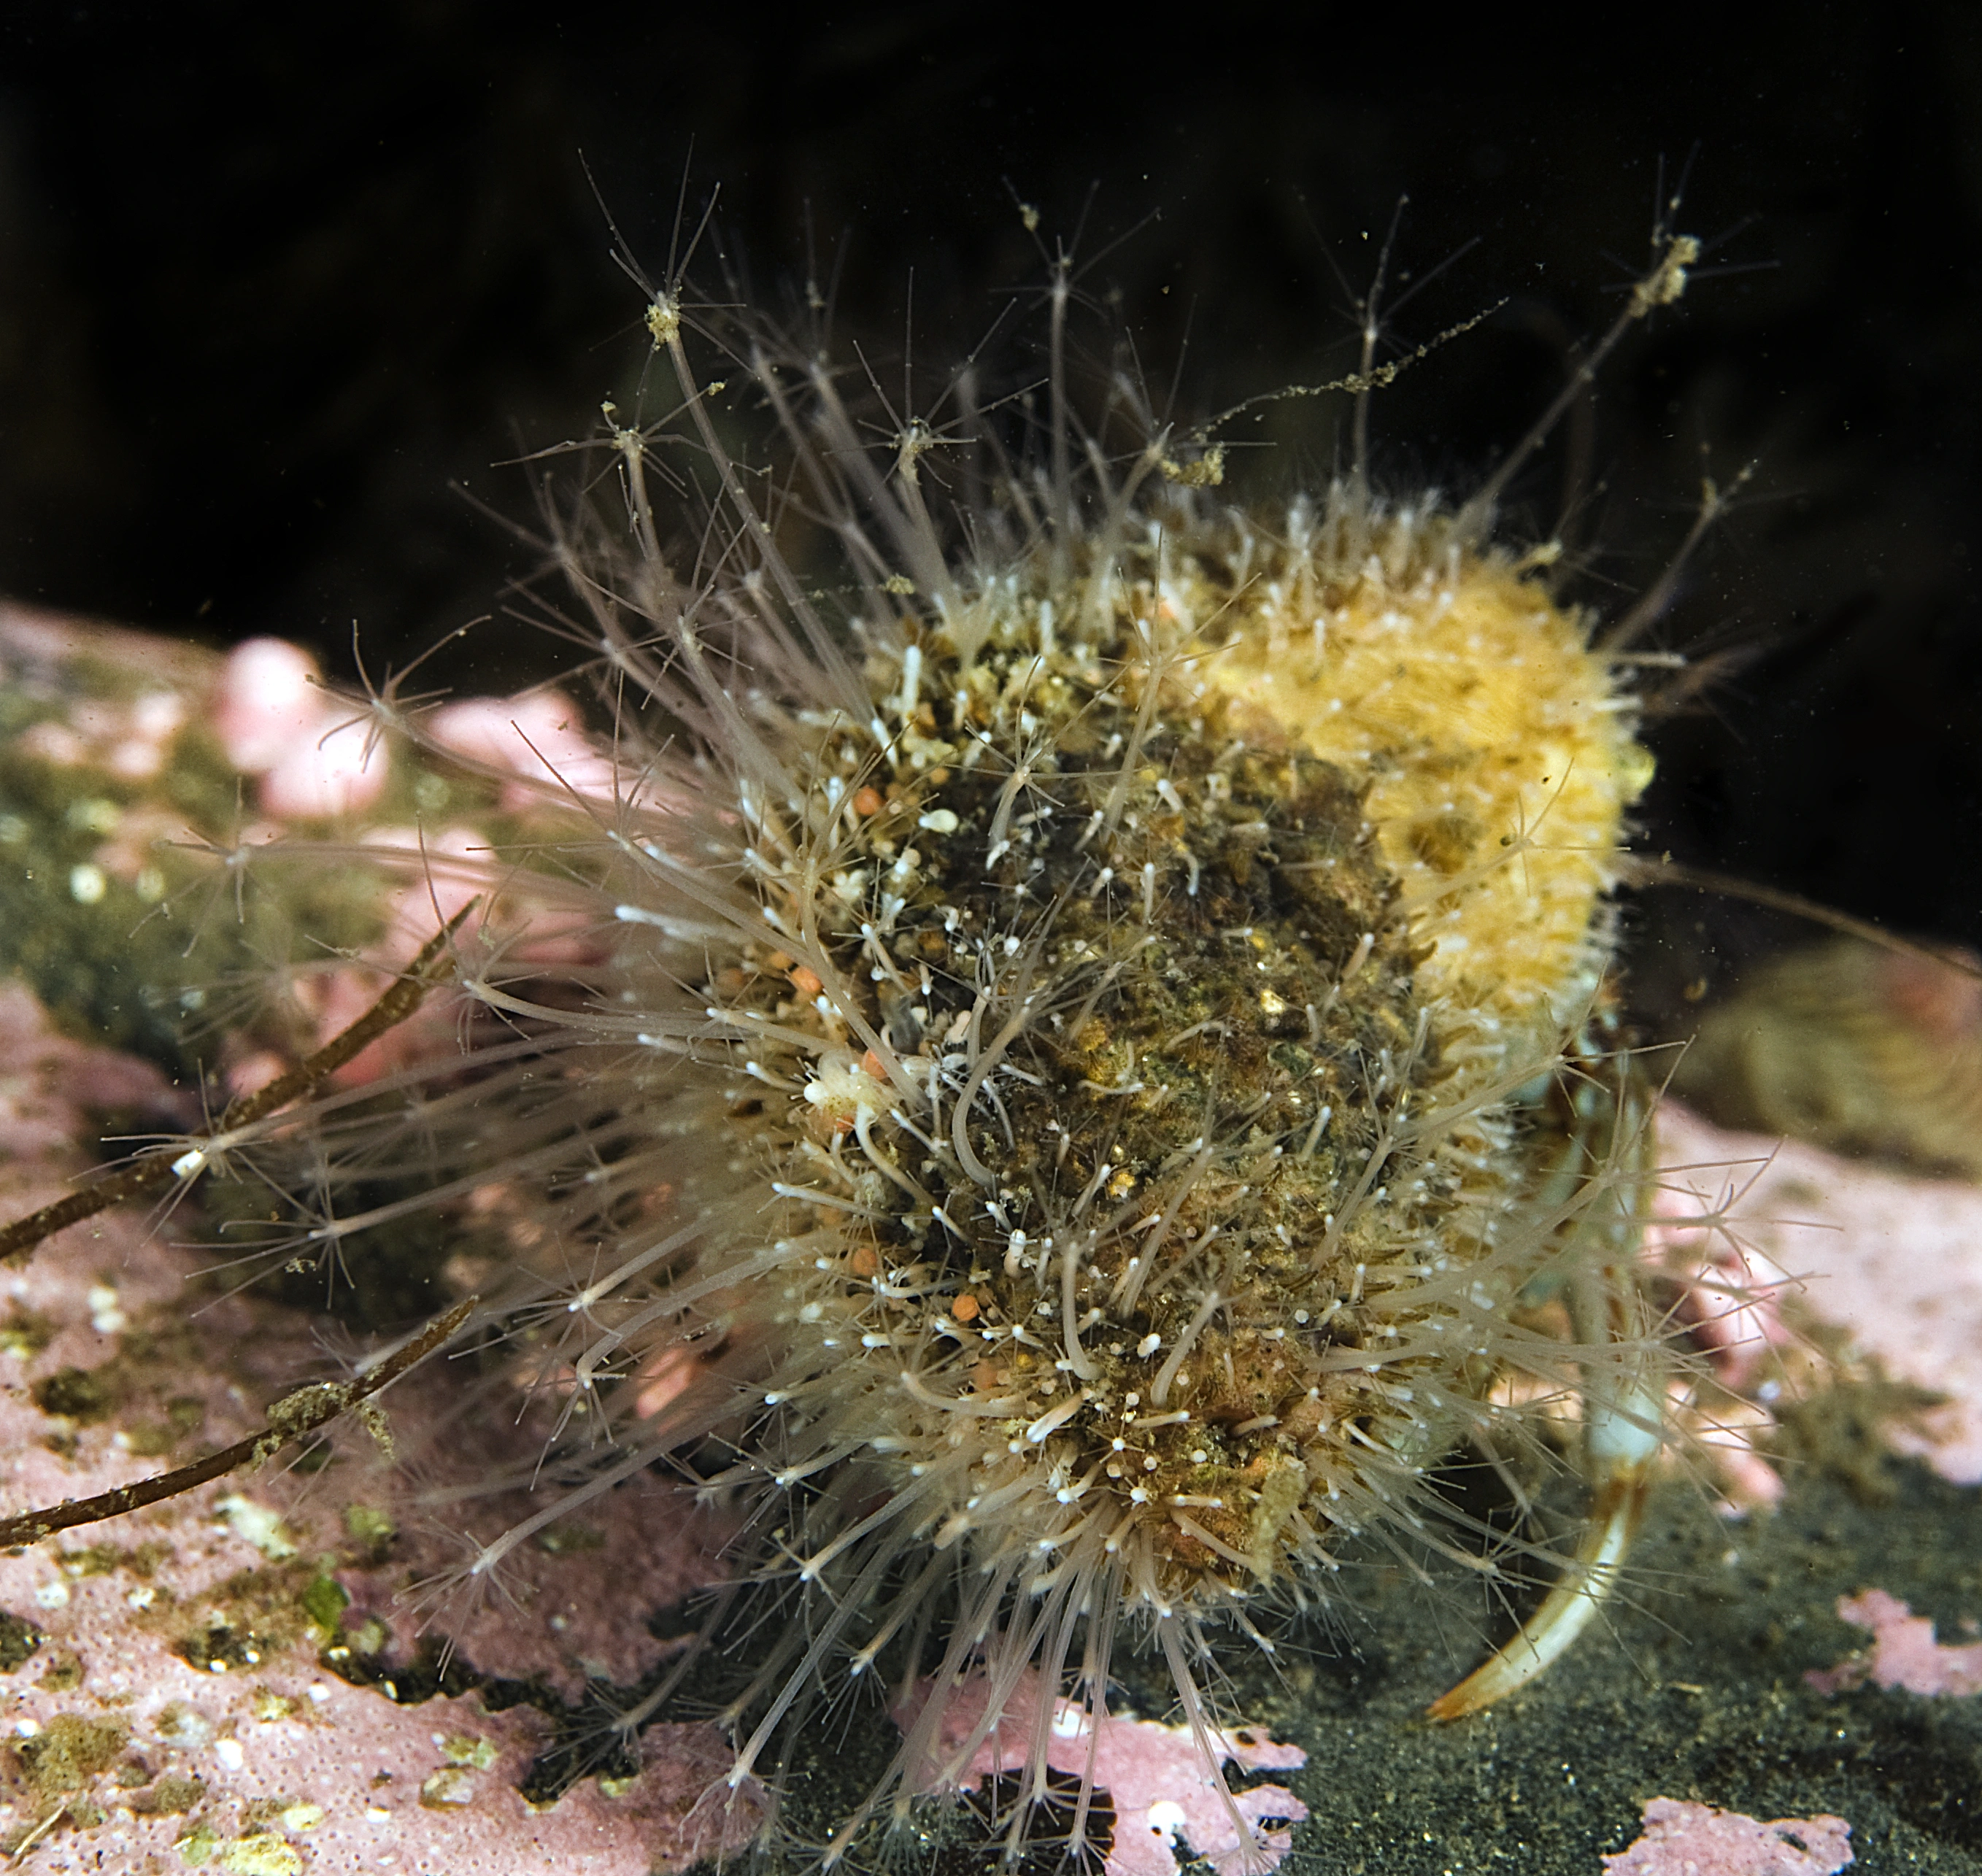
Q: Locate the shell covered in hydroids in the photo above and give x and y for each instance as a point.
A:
(1043, 1066)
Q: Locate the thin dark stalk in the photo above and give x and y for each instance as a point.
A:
(294, 1415)
(160, 1169)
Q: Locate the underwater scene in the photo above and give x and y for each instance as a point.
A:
(1111, 1003)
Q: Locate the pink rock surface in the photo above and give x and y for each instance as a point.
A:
(174, 1711)
(1683, 1839)
(1903, 1653)
(49, 1086)
(1155, 1775)
(538, 738)
(129, 737)
(1896, 1261)
(316, 760)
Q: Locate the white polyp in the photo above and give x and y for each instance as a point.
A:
(1047, 1423)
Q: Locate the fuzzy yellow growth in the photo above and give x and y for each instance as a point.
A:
(1501, 765)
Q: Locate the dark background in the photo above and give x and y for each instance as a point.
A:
(272, 281)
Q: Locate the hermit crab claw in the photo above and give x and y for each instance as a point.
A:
(1622, 1444)
(1623, 1403)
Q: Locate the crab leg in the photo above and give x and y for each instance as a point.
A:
(1566, 1611)
(1623, 1414)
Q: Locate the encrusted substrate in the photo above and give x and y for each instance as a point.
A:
(1697, 1691)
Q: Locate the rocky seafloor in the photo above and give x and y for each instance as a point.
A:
(235, 1680)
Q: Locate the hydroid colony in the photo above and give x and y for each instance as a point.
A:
(1076, 1056)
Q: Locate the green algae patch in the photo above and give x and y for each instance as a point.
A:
(325, 1602)
(77, 933)
(172, 1795)
(83, 1395)
(470, 1750)
(100, 1559)
(64, 1673)
(19, 1638)
(258, 1853)
(372, 1530)
(249, 1620)
(119, 902)
(69, 1752)
(1844, 1427)
(23, 1333)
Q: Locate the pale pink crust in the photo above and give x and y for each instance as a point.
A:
(285, 1753)
(314, 756)
(1154, 1775)
(319, 756)
(538, 738)
(129, 737)
(1684, 1839)
(270, 698)
(1904, 1654)
(1893, 1260)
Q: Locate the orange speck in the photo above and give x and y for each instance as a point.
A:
(874, 1065)
(862, 1261)
(806, 981)
(868, 801)
(965, 1308)
(987, 1377)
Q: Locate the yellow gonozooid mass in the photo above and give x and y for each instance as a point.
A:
(1500, 761)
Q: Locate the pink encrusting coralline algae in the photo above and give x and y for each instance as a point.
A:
(1903, 1653)
(313, 759)
(1153, 1776)
(1685, 1839)
(538, 737)
(168, 1682)
(1893, 1260)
